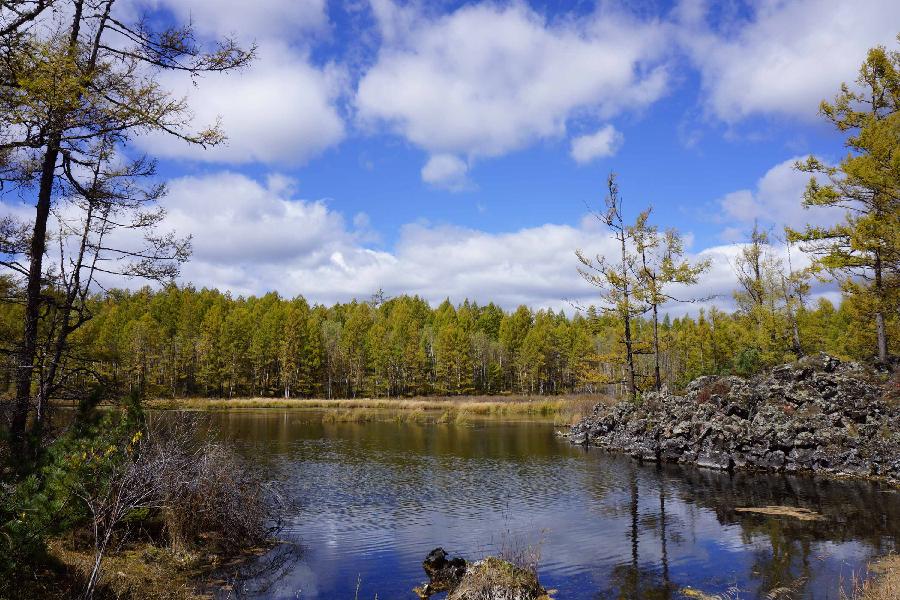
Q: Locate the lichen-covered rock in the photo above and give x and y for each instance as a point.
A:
(818, 414)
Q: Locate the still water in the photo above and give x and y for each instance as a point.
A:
(372, 499)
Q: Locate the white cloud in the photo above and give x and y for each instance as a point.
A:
(237, 221)
(489, 79)
(605, 142)
(786, 57)
(251, 237)
(281, 110)
(777, 200)
(446, 170)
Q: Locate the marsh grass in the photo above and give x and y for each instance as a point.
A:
(563, 410)
(882, 581)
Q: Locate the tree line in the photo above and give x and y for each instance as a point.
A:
(181, 341)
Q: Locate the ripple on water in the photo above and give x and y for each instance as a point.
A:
(374, 498)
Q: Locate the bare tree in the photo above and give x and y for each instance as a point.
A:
(199, 487)
(126, 485)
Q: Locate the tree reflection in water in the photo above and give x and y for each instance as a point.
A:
(783, 562)
(375, 498)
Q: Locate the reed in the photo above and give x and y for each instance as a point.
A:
(882, 581)
(563, 409)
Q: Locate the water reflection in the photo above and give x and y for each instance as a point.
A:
(374, 498)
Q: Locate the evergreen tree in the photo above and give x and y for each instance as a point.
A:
(863, 251)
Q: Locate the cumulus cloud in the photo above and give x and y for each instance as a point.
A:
(488, 79)
(785, 57)
(446, 170)
(605, 142)
(252, 236)
(282, 110)
(776, 200)
(236, 220)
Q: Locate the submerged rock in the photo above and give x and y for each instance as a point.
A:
(818, 414)
(444, 573)
(794, 512)
(488, 579)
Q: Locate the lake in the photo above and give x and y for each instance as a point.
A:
(372, 499)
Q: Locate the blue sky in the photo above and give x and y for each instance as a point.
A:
(448, 149)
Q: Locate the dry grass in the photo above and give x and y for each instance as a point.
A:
(882, 583)
(496, 579)
(563, 409)
(140, 573)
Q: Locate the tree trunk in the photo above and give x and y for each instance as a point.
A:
(880, 328)
(632, 387)
(626, 317)
(28, 350)
(656, 372)
(882, 337)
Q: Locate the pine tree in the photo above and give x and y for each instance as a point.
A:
(863, 251)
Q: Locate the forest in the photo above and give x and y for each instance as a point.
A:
(180, 341)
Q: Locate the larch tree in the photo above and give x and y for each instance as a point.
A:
(749, 267)
(662, 264)
(73, 94)
(862, 251)
(616, 278)
(769, 298)
(794, 285)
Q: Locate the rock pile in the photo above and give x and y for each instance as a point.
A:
(818, 414)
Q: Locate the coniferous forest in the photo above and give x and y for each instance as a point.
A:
(180, 341)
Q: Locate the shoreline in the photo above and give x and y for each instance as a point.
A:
(816, 416)
(731, 470)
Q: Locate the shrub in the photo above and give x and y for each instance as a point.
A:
(209, 497)
(113, 473)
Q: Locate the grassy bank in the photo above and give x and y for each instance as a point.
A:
(562, 409)
(137, 571)
(883, 582)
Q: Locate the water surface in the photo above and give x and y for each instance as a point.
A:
(374, 498)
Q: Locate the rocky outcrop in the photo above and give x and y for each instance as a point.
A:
(444, 573)
(488, 579)
(818, 414)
